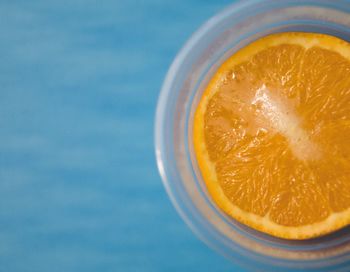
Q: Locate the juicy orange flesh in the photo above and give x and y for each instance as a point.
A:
(277, 133)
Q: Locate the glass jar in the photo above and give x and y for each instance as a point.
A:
(195, 64)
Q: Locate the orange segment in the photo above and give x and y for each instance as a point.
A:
(271, 135)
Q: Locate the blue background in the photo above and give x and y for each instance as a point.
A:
(79, 187)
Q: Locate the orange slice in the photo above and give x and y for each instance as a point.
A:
(272, 135)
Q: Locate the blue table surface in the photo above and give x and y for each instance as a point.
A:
(79, 187)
